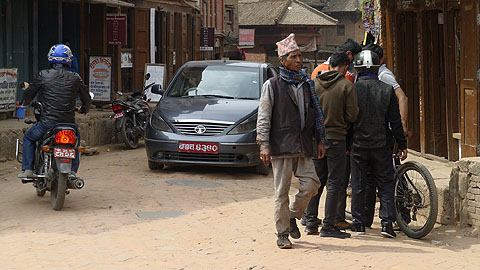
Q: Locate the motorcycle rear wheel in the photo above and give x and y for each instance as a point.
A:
(58, 191)
(127, 131)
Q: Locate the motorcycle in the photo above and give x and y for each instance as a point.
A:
(54, 155)
(131, 116)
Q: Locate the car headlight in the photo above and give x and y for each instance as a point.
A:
(248, 125)
(158, 123)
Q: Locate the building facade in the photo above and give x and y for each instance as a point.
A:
(433, 48)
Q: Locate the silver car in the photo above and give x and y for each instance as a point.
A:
(208, 116)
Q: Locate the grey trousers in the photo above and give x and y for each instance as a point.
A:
(283, 169)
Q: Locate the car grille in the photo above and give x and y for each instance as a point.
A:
(188, 128)
(202, 157)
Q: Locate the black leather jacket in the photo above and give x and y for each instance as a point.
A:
(59, 89)
(379, 116)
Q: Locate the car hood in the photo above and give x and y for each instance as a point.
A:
(211, 109)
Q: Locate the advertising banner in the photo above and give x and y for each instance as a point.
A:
(100, 77)
(8, 89)
(116, 28)
(207, 38)
(246, 37)
(157, 76)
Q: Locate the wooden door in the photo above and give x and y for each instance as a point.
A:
(468, 77)
(434, 85)
(142, 46)
(408, 73)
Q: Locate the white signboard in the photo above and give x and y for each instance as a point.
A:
(100, 77)
(8, 89)
(157, 76)
(127, 61)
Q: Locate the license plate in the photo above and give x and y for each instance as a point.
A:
(118, 115)
(198, 147)
(64, 153)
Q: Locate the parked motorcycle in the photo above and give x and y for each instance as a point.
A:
(131, 116)
(54, 155)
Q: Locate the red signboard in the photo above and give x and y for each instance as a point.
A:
(246, 37)
(207, 38)
(116, 28)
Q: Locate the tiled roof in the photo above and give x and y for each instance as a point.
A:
(281, 12)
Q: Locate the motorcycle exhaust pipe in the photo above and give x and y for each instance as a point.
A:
(76, 183)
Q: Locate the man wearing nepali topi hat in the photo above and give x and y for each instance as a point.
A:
(290, 130)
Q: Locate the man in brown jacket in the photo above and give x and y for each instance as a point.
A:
(339, 101)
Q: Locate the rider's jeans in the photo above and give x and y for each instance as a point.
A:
(377, 161)
(34, 134)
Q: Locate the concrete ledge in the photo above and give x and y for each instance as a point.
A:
(96, 128)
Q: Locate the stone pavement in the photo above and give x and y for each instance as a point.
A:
(128, 217)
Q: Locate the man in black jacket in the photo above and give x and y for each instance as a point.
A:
(59, 88)
(378, 119)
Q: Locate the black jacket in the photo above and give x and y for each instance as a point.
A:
(286, 135)
(378, 117)
(59, 89)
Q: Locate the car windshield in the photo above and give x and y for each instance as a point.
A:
(217, 81)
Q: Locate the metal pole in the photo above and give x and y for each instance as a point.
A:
(60, 21)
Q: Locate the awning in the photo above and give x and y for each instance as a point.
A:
(114, 3)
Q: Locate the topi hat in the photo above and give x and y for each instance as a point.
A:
(287, 45)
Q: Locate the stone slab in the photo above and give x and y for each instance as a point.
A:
(159, 214)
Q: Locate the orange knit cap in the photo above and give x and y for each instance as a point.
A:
(287, 45)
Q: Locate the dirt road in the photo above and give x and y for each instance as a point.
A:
(128, 217)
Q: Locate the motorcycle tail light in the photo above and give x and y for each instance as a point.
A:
(117, 108)
(65, 137)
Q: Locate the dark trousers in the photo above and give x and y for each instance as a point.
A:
(370, 200)
(342, 198)
(34, 134)
(330, 170)
(378, 161)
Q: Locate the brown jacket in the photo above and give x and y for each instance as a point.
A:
(338, 99)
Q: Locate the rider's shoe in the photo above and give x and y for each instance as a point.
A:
(332, 231)
(387, 231)
(72, 175)
(26, 174)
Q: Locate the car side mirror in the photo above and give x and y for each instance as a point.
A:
(157, 89)
(147, 76)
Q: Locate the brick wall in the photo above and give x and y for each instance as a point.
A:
(465, 190)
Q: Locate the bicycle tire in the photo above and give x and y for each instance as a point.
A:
(403, 212)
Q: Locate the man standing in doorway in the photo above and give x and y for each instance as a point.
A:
(289, 129)
(339, 100)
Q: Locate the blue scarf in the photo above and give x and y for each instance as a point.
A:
(293, 77)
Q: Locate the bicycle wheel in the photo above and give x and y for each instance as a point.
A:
(416, 200)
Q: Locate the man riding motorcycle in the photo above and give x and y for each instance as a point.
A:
(58, 88)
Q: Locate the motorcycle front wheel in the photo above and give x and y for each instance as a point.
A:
(58, 191)
(127, 130)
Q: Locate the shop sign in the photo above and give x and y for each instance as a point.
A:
(246, 37)
(100, 77)
(207, 38)
(8, 89)
(116, 28)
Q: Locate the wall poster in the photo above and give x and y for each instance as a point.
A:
(100, 77)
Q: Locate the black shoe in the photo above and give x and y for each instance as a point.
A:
(387, 231)
(283, 242)
(358, 228)
(304, 221)
(294, 231)
(311, 230)
(333, 232)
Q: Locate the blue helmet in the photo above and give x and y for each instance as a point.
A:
(60, 53)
